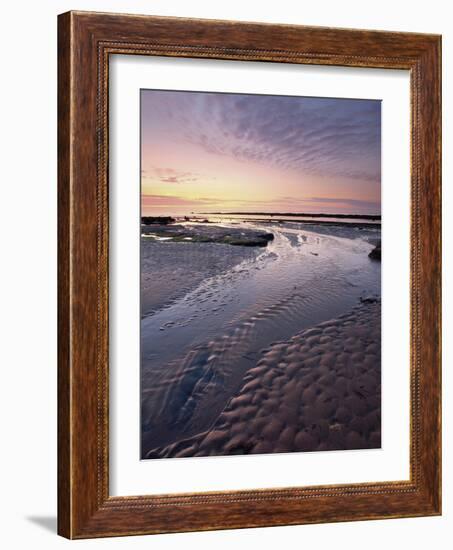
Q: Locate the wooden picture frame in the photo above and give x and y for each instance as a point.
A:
(85, 42)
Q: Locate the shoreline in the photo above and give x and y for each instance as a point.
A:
(175, 222)
(360, 225)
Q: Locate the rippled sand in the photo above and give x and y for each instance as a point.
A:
(171, 270)
(320, 390)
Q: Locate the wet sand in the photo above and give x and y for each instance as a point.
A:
(170, 270)
(212, 313)
(318, 391)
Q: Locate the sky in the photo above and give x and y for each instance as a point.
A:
(210, 152)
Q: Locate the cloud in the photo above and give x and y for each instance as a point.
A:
(274, 205)
(170, 175)
(327, 137)
(163, 201)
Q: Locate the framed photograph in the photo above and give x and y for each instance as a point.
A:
(249, 275)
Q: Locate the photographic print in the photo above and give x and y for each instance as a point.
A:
(260, 274)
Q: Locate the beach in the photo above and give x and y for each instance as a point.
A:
(259, 348)
(318, 391)
(165, 273)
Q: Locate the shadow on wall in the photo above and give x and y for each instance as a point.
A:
(49, 523)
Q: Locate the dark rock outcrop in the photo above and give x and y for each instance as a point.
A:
(157, 220)
(375, 254)
(208, 233)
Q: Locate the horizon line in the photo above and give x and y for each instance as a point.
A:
(301, 214)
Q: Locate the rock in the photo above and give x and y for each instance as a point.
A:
(159, 220)
(375, 254)
(203, 232)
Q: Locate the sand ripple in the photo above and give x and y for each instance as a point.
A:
(320, 390)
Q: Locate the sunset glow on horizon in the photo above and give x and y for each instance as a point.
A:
(211, 152)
